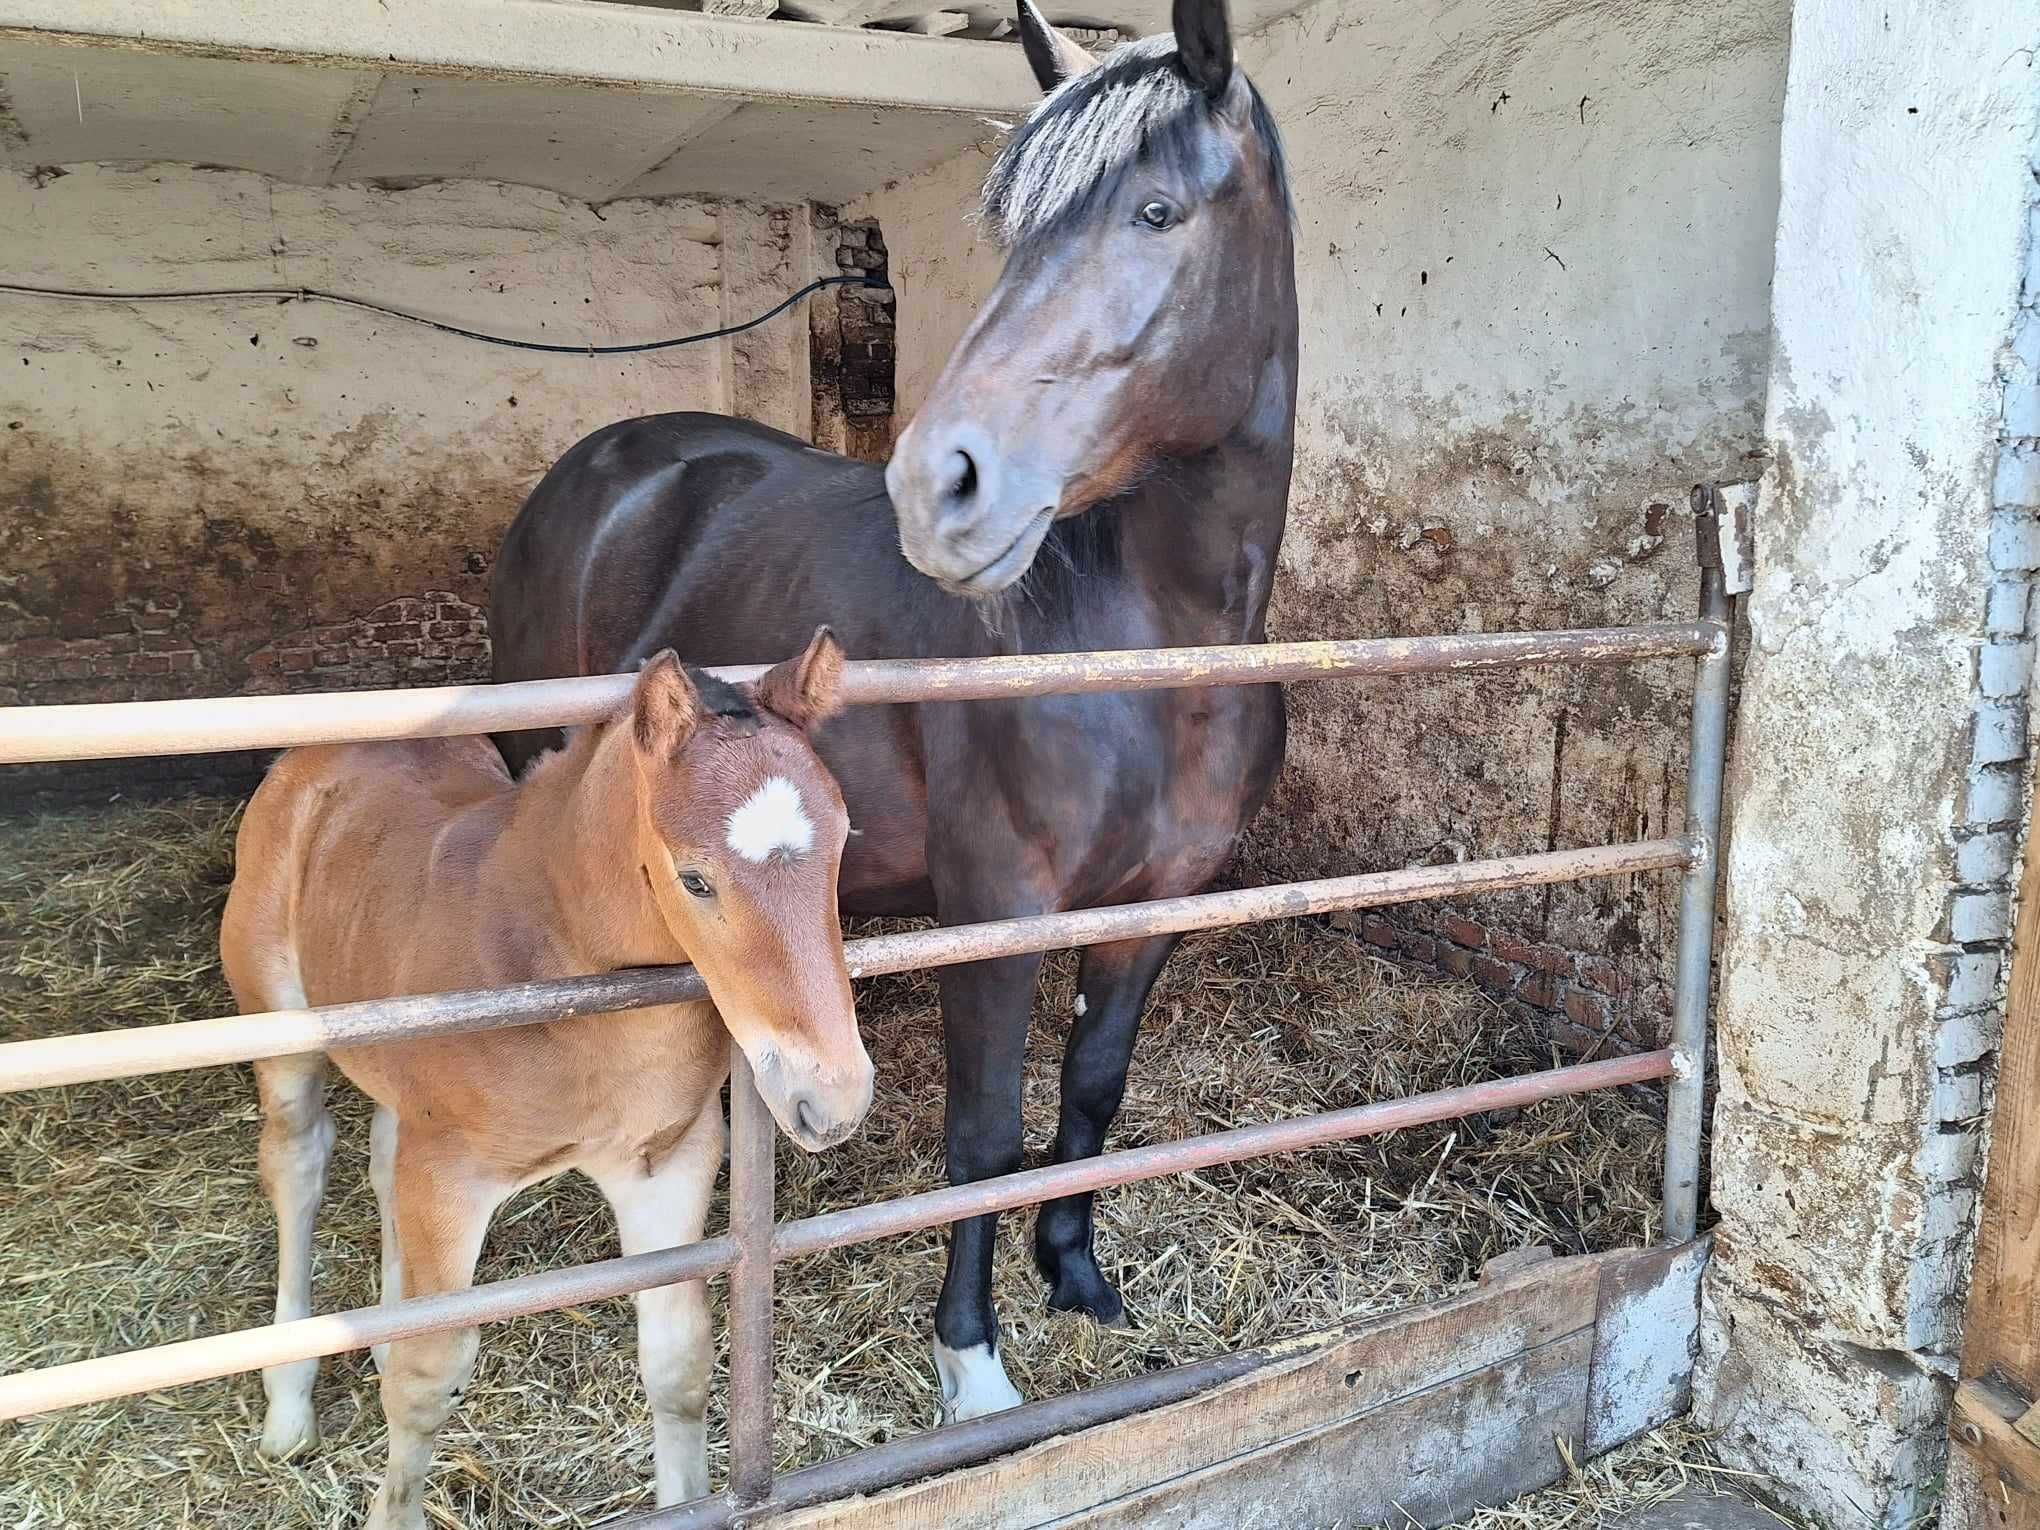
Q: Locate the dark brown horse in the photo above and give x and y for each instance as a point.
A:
(1104, 463)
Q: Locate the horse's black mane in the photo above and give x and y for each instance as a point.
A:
(719, 697)
(1095, 127)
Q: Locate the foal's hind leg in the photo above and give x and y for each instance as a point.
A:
(297, 1139)
(382, 1170)
(1112, 990)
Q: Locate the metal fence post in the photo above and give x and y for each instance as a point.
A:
(751, 1223)
(1705, 761)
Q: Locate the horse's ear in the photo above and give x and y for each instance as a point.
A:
(1053, 56)
(665, 708)
(806, 689)
(1204, 44)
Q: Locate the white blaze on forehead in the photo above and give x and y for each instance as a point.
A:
(771, 821)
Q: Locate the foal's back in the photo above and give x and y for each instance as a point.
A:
(356, 872)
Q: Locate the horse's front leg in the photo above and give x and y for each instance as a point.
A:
(663, 1205)
(1112, 990)
(985, 1009)
(443, 1207)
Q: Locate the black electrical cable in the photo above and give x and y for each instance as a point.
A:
(314, 295)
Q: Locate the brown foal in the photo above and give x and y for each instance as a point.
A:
(697, 825)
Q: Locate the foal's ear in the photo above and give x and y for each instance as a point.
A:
(1204, 44)
(1054, 57)
(664, 706)
(805, 690)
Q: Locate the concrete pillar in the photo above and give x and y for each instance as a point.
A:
(1881, 752)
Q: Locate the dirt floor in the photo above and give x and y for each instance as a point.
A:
(130, 1212)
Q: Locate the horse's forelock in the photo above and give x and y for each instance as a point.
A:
(1095, 126)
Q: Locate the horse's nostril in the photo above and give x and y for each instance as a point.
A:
(963, 481)
(804, 1114)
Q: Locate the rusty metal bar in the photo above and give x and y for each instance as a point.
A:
(114, 730)
(241, 1038)
(751, 1225)
(205, 1359)
(935, 1208)
(248, 1349)
(1705, 764)
(877, 1467)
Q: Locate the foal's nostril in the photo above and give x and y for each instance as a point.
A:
(963, 479)
(805, 1118)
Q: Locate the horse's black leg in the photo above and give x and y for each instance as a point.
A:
(985, 1008)
(1112, 989)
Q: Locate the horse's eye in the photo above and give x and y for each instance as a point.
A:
(696, 884)
(1157, 214)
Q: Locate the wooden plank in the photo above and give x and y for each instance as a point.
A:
(1428, 1458)
(1646, 1336)
(1339, 1379)
(1983, 1424)
(2003, 1329)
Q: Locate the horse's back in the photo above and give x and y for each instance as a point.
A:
(714, 535)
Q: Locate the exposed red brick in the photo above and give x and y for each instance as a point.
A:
(1377, 931)
(1588, 1009)
(1544, 958)
(1600, 974)
(152, 664)
(1418, 948)
(291, 660)
(39, 648)
(1456, 960)
(1496, 977)
(1464, 931)
(1540, 989)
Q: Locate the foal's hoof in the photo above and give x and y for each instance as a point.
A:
(289, 1430)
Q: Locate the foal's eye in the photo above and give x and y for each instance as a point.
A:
(696, 884)
(1157, 214)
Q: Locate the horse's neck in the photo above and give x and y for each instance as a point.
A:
(570, 859)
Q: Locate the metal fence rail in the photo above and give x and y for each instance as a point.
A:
(756, 1242)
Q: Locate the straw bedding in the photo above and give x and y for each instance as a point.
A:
(131, 1215)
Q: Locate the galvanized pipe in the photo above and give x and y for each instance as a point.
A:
(114, 730)
(241, 1038)
(1706, 759)
(751, 1223)
(146, 1370)
(249, 1349)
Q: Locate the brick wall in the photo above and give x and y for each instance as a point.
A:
(853, 346)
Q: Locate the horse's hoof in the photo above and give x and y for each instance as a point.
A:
(1078, 1287)
(289, 1431)
(973, 1383)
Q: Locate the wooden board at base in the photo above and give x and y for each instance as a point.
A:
(1416, 1417)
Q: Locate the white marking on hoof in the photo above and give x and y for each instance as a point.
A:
(289, 1428)
(1082, 1005)
(973, 1382)
(771, 821)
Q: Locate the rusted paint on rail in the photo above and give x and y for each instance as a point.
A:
(249, 1349)
(241, 1038)
(115, 730)
(205, 1359)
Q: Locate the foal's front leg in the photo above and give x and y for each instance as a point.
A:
(443, 1207)
(664, 1206)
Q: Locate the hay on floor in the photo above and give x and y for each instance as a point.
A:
(131, 1214)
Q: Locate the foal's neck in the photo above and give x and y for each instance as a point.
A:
(575, 838)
